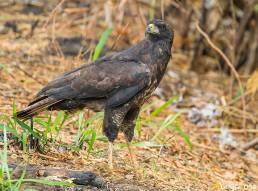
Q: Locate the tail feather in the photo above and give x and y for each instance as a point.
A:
(36, 108)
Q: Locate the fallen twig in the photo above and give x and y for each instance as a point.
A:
(77, 177)
(47, 157)
(52, 14)
(217, 130)
(250, 144)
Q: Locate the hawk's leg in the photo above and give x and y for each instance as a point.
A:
(110, 155)
(128, 126)
(113, 119)
(34, 142)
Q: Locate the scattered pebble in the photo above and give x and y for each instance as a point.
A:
(205, 116)
(226, 138)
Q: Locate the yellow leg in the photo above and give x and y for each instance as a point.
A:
(137, 169)
(110, 155)
(132, 155)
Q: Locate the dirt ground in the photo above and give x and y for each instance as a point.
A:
(37, 44)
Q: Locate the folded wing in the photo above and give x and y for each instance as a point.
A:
(115, 80)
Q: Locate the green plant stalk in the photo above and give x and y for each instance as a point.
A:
(48, 127)
(168, 121)
(59, 122)
(8, 181)
(19, 182)
(152, 9)
(4, 164)
(46, 182)
(164, 106)
(84, 134)
(183, 135)
(28, 128)
(24, 141)
(80, 130)
(138, 127)
(14, 115)
(11, 130)
(102, 42)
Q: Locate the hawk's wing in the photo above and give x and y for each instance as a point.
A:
(116, 80)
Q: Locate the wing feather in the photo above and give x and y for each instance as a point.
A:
(114, 80)
(99, 80)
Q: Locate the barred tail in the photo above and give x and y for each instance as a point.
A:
(36, 107)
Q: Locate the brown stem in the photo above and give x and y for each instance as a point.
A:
(213, 46)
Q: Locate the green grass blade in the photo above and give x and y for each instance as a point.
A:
(148, 106)
(9, 121)
(102, 43)
(47, 182)
(14, 114)
(138, 127)
(58, 120)
(19, 182)
(168, 121)
(24, 141)
(45, 125)
(81, 120)
(92, 138)
(48, 126)
(59, 124)
(164, 106)
(98, 115)
(79, 135)
(185, 137)
(4, 163)
(11, 130)
(29, 129)
(40, 122)
(152, 9)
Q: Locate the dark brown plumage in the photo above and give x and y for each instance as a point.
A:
(119, 83)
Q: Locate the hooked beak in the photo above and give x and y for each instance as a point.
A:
(152, 29)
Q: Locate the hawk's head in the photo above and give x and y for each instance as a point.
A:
(158, 29)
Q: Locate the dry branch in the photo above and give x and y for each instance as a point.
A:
(237, 131)
(52, 14)
(77, 177)
(250, 144)
(213, 46)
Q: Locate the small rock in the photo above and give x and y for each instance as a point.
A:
(226, 138)
(129, 176)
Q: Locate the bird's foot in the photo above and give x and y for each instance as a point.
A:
(134, 162)
(132, 155)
